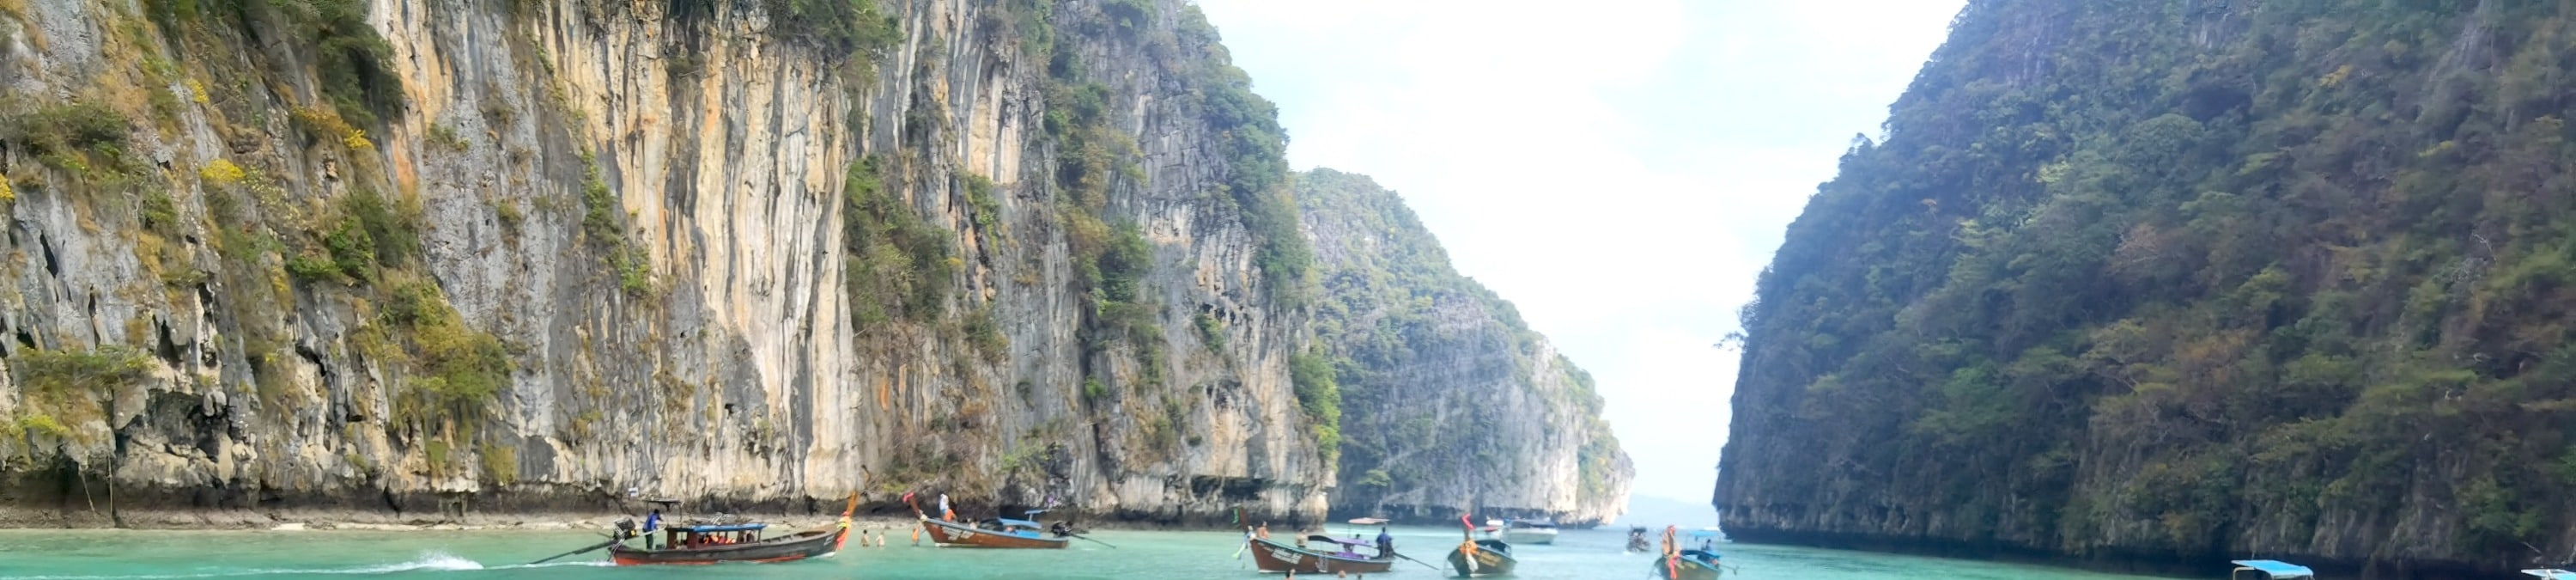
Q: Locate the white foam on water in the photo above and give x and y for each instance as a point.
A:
(428, 561)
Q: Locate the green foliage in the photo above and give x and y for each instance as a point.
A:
(839, 27)
(52, 373)
(63, 388)
(364, 233)
(461, 370)
(500, 464)
(1211, 331)
(984, 206)
(897, 266)
(353, 62)
(1321, 399)
(603, 219)
(84, 138)
(2276, 273)
(986, 335)
(603, 222)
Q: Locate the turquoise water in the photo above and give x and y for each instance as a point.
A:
(492, 555)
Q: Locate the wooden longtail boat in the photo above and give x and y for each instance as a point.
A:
(719, 543)
(996, 533)
(1689, 565)
(1486, 558)
(1272, 556)
(711, 544)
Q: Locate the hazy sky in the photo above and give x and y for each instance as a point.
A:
(1620, 169)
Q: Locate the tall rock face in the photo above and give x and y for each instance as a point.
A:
(2164, 282)
(1448, 403)
(393, 257)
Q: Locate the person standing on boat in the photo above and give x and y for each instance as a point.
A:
(944, 512)
(1385, 543)
(651, 521)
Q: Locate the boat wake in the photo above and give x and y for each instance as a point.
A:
(427, 562)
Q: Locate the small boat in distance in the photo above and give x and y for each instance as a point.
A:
(1689, 565)
(1327, 555)
(1637, 540)
(1519, 531)
(1680, 564)
(2268, 570)
(1481, 558)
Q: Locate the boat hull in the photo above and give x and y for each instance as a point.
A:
(798, 546)
(1529, 536)
(1675, 568)
(956, 535)
(1272, 556)
(1483, 563)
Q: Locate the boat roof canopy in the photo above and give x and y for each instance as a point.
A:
(1334, 540)
(1018, 523)
(2551, 574)
(712, 528)
(2276, 568)
(1368, 521)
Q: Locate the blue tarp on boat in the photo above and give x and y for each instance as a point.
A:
(2277, 569)
(2551, 574)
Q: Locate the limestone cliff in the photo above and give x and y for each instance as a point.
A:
(365, 256)
(1450, 403)
(2171, 282)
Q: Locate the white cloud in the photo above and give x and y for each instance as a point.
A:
(1620, 170)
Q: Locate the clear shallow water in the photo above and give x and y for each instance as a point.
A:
(494, 555)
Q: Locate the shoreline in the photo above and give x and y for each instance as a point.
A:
(298, 520)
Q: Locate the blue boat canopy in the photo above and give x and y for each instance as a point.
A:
(713, 528)
(2276, 568)
(1020, 523)
(2551, 574)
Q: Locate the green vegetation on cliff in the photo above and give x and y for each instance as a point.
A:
(1435, 388)
(2185, 279)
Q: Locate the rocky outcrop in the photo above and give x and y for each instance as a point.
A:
(544, 255)
(1450, 403)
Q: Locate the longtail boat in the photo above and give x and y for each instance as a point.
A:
(1482, 558)
(1678, 564)
(1326, 556)
(993, 533)
(715, 543)
(1689, 565)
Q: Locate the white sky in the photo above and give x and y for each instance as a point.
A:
(1619, 169)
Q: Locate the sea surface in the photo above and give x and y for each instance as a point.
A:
(486, 555)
